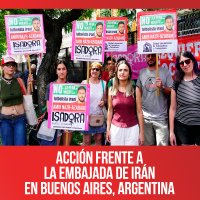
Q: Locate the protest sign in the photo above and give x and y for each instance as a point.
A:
(157, 32)
(88, 41)
(136, 61)
(100, 173)
(69, 106)
(185, 43)
(166, 60)
(25, 34)
(116, 34)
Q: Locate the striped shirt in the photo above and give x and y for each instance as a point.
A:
(188, 102)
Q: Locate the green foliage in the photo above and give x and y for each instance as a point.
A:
(85, 16)
(77, 138)
(105, 12)
(130, 14)
(52, 13)
(3, 45)
(55, 13)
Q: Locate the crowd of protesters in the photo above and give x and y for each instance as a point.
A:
(137, 113)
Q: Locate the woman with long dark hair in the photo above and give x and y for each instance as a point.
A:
(61, 73)
(184, 114)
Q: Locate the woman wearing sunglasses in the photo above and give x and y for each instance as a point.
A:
(97, 92)
(184, 111)
(13, 120)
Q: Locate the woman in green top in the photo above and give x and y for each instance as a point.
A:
(13, 120)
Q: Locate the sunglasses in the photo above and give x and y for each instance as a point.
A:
(10, 65)
(97, 69)
(187, 62)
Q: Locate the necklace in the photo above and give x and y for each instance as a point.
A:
(8, 81)
(94, 81)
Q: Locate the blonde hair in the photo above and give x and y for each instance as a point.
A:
(95, 64)
(129, 87)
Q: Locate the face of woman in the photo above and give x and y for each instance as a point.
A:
(123, 72)
(95, 72)
(61, 71)
(186, 65)
(9, 69)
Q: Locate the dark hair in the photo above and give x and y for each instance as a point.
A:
(34, 62)
(109, 58)
(58, 62)
(81, 88)
(99, 23)
(61, 62)
(120, 59)
(35, 18)
(121, 22)
(169, 17)
(179, 72)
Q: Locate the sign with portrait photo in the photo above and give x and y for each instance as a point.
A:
(68, 106)
(88, 41)
(116, 34)
(25, 34)
(157, 32)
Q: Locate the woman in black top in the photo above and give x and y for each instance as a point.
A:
(184, 111)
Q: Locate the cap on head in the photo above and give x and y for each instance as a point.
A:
(7, 59)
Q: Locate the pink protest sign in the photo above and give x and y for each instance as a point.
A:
(25, 34)
(157, 31)
(116, 34)
(69, 106)
(88, 41)
(137, 61)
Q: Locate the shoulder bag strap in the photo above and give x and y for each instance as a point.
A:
(22, 87)
(102, 84)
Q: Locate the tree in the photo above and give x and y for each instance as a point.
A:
(54, 22)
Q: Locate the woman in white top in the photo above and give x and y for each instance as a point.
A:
(97, 91)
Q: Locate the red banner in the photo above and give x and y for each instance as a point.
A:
(185, 43)
(98, 4)
(141, 173)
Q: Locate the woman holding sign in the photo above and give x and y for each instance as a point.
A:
(97, 124)
(122, 120)
(61, 72)
(13, 120)
(185, 102)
